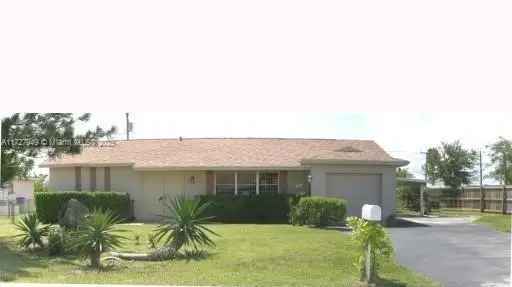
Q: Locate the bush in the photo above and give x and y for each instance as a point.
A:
(408, 197)
(97, 234)
(364, 232)
(31, 230)
(73, 214)
(262, 208)
(55, 241)
(318, 211)
(49, 205)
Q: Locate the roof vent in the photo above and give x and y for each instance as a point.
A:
(348, 149)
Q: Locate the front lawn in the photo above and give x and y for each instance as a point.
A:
(246, 255)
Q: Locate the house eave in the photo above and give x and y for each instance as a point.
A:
(218, 168)
(397, 163)
(62, 165)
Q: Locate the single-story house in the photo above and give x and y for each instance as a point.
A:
(359, 171)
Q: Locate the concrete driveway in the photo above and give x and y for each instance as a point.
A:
(454, 251)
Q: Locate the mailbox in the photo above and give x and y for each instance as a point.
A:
(371, 212)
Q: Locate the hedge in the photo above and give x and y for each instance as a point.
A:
(262, 208)
(318, 211)
(49, 205)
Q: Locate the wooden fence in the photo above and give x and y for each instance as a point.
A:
(495, 198)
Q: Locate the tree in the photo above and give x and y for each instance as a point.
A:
(27, 136)
(452, 164)
(403, 173)
(499, 151)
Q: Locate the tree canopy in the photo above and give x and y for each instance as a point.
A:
(501, 151)
(451, 163)
(27, 136)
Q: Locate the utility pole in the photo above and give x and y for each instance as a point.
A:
(423, 188)
(504, 193)
(128, 126)
(504, 168)
(482, 194)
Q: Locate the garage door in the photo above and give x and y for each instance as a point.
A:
(357, 189)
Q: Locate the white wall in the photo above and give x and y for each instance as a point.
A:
(388, 185)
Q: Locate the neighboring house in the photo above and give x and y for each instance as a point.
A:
(23, 190)
(358, 170)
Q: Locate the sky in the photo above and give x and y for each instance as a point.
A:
(403, 135)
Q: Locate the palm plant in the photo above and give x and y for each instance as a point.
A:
(96, 234)
(32, 231)
(184, 224)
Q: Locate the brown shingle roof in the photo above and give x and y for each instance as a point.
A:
(228, 152)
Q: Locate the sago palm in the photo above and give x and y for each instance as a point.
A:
(32, 231)
(184, 224)
(97, 234)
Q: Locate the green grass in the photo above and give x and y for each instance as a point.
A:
(497, 221)
(246, 255)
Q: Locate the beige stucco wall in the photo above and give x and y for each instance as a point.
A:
(158, 184)
(297, 181)
(388, 184)
(62, 178)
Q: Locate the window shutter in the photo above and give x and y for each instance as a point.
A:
(92, 172)
(209, 182)
(107, 178)
(283, 181)
(78, 178)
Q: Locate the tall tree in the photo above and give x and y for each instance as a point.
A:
(501, 151)
(27, 136)
(452, 164)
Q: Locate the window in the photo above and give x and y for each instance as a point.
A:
(246, 182)
(269, 182)
(225, 183)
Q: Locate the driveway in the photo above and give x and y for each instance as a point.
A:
(454, 251)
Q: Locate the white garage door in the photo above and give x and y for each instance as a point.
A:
(357, 189)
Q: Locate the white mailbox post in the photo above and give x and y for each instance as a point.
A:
(370, 213)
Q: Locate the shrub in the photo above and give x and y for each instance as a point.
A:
(96, 235)
(408, 197)
(364, 232)
(262, 208)
(184, 224)
(32, 231)
(55, 241)
(152, 242)
(49, 205)
(7, 276)
(318, 211)
(73, 214)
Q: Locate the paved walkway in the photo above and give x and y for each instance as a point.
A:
(454, 251)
